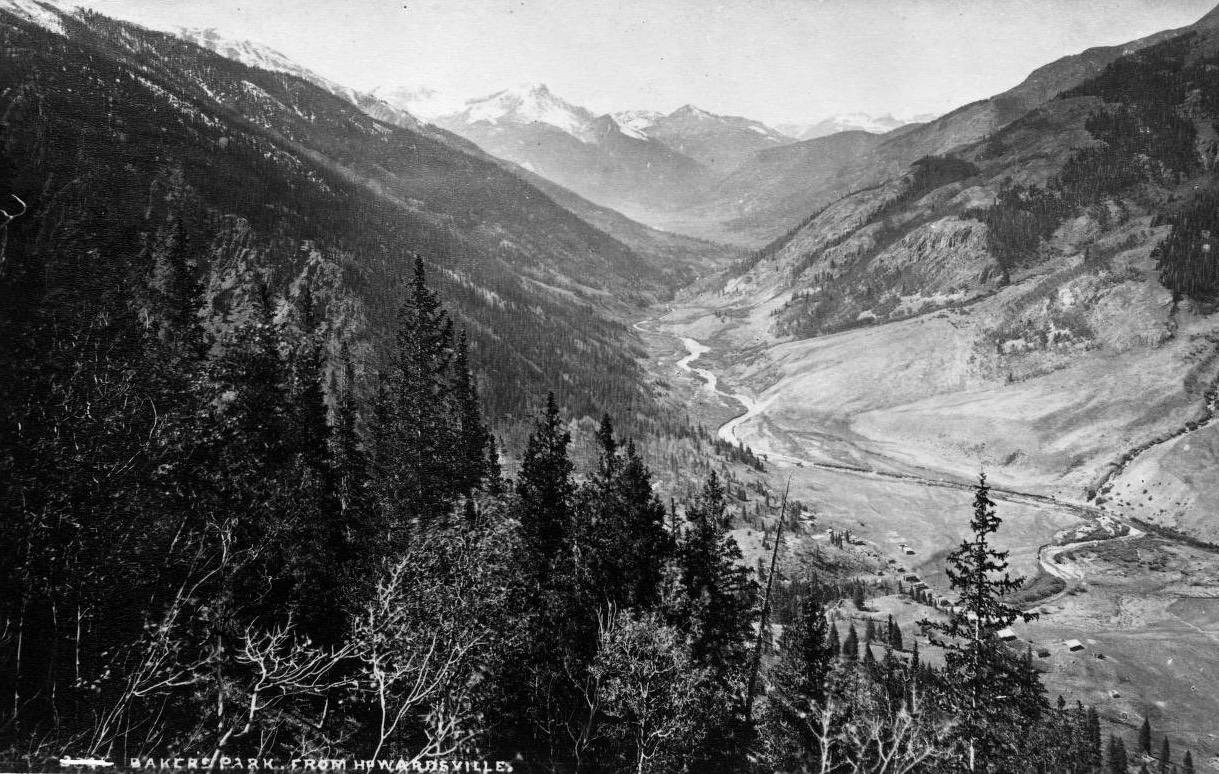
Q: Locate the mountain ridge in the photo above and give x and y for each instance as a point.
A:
(282, 180)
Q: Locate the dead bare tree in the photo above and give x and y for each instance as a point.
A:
(6, 218)
(856, 731)
(416, 649)
(647, 686)
(284, 667)
(257, 679)
(896, 744)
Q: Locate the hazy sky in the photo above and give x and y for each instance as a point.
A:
(774, 60)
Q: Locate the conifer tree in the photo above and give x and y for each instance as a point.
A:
(1187, 764)
(1118, 762)
(717, 614)
(177, 294)
(1145, 737)
(419, 468)
(721, 595)
(850, 646)
(992, 690)
(797, 688)
(473, 436)
(544, 491)
(1165, 756)
(317, 548)
(1093, 744)
(351, 464)
(627, 544)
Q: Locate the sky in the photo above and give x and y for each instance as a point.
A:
(779, 61)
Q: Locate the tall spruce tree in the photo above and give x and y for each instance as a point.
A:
(991, 689)
(797, 689)
(351, 464)
(1117, 759)
(473, 436)
(850, 645)
(718, 612)
(721, 594)
(419, 469)
(625, 543)
(545, 491)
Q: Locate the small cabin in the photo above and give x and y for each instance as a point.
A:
(1043, 653)
(1007, 635)
(1073, 645)
(909, 551)
(912, 578)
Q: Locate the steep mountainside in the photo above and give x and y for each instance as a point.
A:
(111, 132)
(1072, 243)
(1039, 303)
(587, 154)
(265, 58)
(679, 259)
(720, 143)
(814, 175)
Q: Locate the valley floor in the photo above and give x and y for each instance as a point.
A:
(882, 430)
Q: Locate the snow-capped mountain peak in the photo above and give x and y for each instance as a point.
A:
(264, 57)
(634, 123)
(426, 103)
(527, 104)
(850, 122)
(258, 55)
(245, 51)
(690, 111)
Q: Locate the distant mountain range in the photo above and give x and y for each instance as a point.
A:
(851, 122)
(647, 164)
(639, 162)
(682, 171)
(727, 179)
(287, 180)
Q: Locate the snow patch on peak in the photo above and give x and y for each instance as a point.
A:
(694, 112)
(421, 101)
(245, 51)
(44, 14)
(252, 54)
(635, 123)
(527, 104)
(848, 122)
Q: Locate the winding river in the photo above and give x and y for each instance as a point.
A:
(1047, 554)
(752, 408)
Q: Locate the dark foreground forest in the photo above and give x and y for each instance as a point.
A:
(216, 549)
